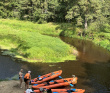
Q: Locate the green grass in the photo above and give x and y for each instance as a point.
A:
(25, 40)
(48, 28)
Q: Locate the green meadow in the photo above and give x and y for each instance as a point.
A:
(26, 40)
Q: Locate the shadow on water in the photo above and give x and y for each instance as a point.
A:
(9, 68)
(98, 76)
(92, 67)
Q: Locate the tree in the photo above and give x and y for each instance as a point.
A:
(83, 12)
(6, 8)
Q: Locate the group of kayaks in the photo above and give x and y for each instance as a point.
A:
(49, 83)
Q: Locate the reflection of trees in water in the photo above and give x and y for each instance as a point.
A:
(88, 51)
(92, 66)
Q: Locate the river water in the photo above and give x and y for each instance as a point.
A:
(92, 67)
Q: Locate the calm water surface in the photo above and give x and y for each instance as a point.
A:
(92, 67)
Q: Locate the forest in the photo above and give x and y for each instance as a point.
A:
(81, 12)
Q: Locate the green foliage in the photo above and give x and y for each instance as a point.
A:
(102, 37)
(84, 12)
(104, 43)
(56, 10)
(107, 28)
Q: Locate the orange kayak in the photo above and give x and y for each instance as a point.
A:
(64, 91)
(54, 82)
(53, 86)
(68, 90)
(46, 77)
(62, 84)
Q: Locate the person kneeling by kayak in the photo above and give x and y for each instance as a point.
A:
(27, 79)
(74, 81)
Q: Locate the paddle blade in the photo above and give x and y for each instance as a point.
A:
(35, 84)
(60, 77)
(73, 89)
(71, 85)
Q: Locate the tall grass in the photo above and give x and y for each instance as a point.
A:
(23, 40)
(47, 28)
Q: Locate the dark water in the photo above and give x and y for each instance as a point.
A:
(92, 67)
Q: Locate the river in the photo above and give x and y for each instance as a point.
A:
(92, 67)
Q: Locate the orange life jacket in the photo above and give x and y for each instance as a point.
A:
(27, 76)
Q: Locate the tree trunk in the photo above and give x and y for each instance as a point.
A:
(85, 24)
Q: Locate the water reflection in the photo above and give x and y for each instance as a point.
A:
(88, 51)
(94, 64)
(92, 67)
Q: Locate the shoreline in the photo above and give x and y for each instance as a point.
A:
(12, 86)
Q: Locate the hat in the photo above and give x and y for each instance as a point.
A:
(29, 71)
(73, 75)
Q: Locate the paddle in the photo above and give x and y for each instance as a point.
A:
(70, 84)
(39, 75)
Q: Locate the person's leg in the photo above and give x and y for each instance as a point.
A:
(20, 82)
(27, 84)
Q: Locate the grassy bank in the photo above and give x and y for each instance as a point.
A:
(25, 40)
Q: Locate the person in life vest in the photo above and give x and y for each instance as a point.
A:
(27, 79)
(20, 77)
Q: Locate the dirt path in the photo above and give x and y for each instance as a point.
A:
(11, 87)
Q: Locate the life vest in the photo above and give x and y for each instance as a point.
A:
(27, 76)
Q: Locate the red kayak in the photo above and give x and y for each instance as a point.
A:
(46, 77)
(53, 82)
(63, 91)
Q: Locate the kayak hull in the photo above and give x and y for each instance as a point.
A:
(46, 77)
(63, 91)
(53, 86)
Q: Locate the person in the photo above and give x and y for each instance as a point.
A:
(27, 79)
(20, 77)
(74, 81)
(29, 90)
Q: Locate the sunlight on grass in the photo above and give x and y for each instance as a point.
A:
(25, 41)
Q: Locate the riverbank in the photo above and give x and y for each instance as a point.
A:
(100, 37)
(11, 86)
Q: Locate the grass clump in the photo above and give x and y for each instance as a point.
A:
(28, 44)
